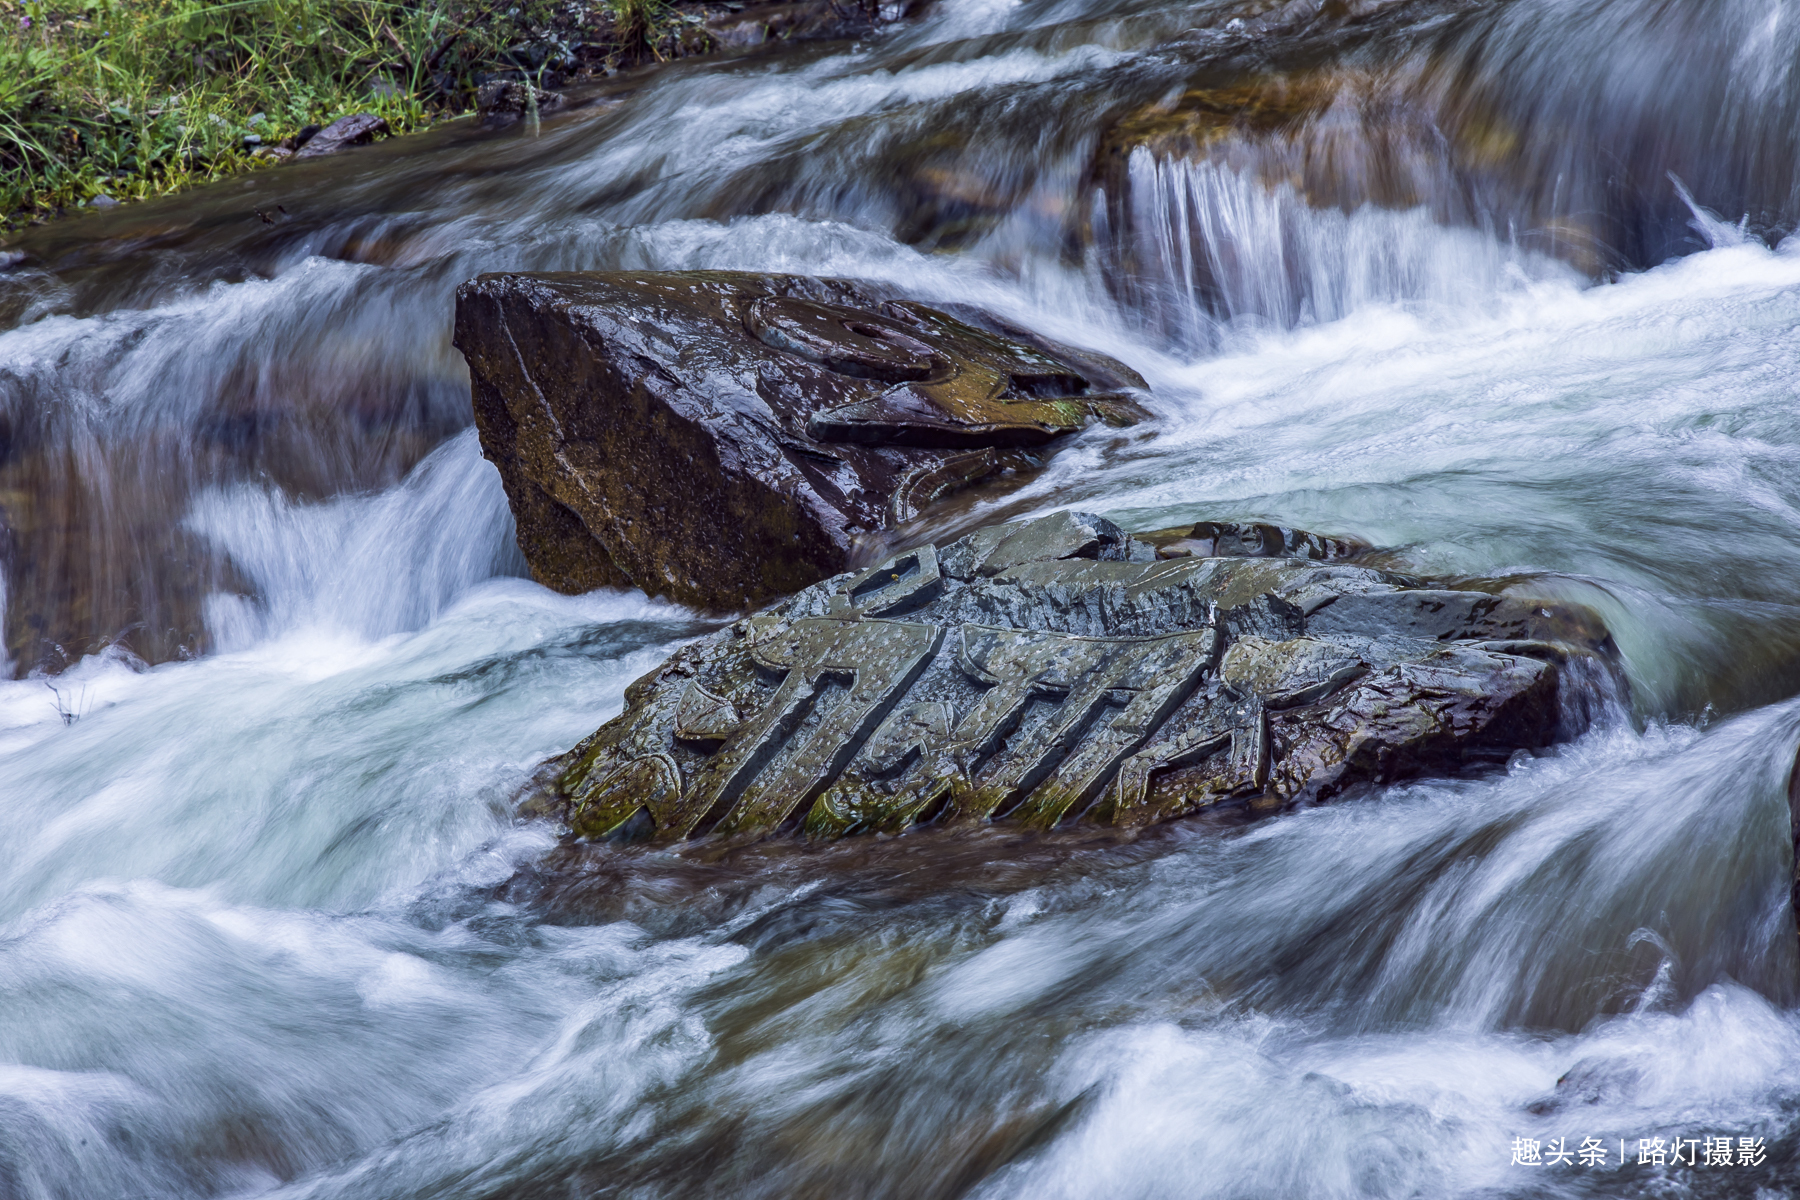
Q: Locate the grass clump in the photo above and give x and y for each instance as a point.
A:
(127, 99)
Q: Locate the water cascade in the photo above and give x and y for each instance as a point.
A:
(1502, 286)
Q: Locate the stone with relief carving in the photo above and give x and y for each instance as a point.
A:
(1058, 670)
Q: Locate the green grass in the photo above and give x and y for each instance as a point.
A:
(136, 98)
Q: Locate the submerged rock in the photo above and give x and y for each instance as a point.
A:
(723, 438)
(1057, 670)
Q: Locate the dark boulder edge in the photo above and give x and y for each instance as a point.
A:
(725, 438)
(1059, 672)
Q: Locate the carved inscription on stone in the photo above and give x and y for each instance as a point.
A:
(1055, 718)
(1055, 671)
(1099, 699)
(852, 671)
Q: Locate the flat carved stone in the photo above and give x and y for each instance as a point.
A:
(1056, 670)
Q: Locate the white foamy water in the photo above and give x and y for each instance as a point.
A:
(291, 846)
(267, 923)
(1217, 246)
(364, 565)
(320, 767)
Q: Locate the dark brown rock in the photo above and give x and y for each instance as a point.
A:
(357, 130)
(724, 438)
(1057, 671)
(299, 137)
(502, 101)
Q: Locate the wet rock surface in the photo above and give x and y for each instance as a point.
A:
(1235, 539)
(724, 438)
(359, 129)
(734, 26)
(1058, 671)
(503, 101)
(587, 40)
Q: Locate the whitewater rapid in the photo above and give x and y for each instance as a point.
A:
(268, 926)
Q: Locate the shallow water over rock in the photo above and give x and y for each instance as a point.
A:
(267, 926)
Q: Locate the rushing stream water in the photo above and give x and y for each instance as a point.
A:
(1506, 289)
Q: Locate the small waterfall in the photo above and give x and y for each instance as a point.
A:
(320, 382)
(1298, 191)
(1589, 139)
(1213, 244)
(369, 566)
